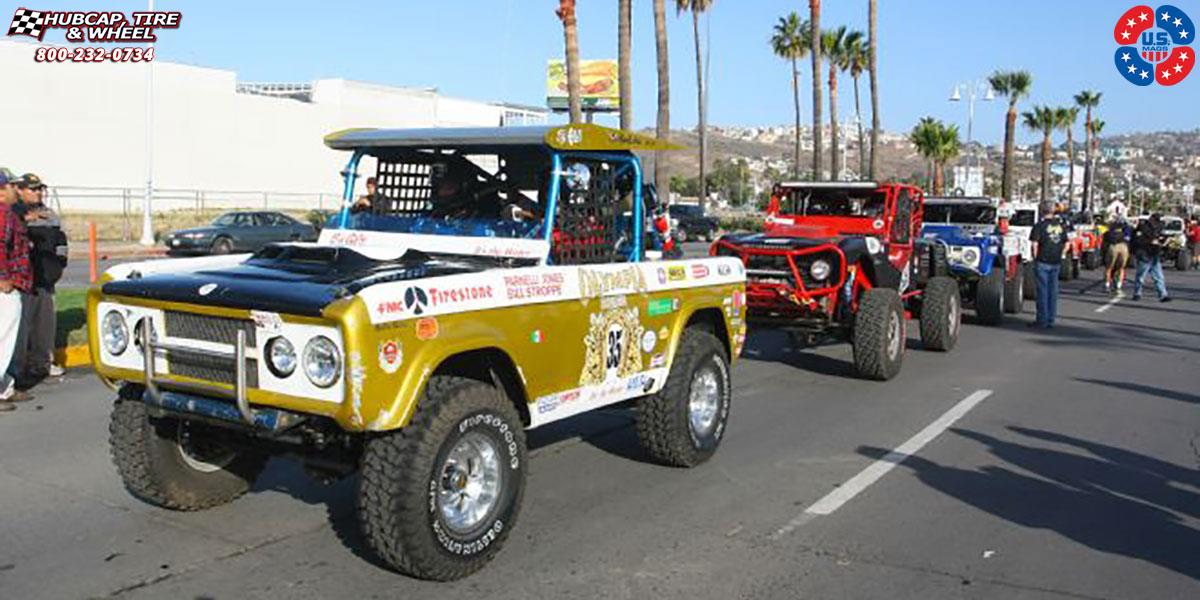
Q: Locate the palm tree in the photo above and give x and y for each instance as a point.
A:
(696, 7)
(566, 13)
(624, 77)
(662, 177)
(789, 41)
(1097, 127)
(1066, 116)
(939, 144)
(833, 45)
(873, 40)
(814, 45)
(1045, 120)
(1015, 85)
(858, 59)
(1088, 99)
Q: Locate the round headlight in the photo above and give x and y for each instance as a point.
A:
(114, 333)
(281, 357)
(971, 256)
(820, 269)
(321, 362)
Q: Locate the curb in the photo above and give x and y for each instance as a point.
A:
(120, 254)
(73, 356)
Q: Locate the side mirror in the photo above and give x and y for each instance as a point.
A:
(579, 177)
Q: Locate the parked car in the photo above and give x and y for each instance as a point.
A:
(239, 232)
(845, 260)
(415, 344)
(688, 222)
(986, 262)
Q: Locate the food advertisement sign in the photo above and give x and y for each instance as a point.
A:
(597, 82)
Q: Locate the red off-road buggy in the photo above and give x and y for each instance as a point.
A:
(846, 259)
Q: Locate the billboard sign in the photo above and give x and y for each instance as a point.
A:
(598, 85)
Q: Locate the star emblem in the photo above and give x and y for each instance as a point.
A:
(1131, 22)
(1178, 68)
(1178, 21)
(1124, 35)
(1183, 34)
(1166, 16)
(1183, 56)
(1132, 69)
(1125, 57)
(1145, 74)
(1166, 74)
(1142, 16)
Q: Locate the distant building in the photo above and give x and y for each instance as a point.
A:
(1120, 153)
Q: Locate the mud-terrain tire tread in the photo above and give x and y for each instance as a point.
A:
(1183, 260)
(870, 334)
(989, 298)
(133, 443)
(1014, 293)
(936, 334)
(1030, 285)
(393, 494)
(665, 433)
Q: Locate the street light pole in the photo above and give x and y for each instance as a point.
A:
(972, 88)
(147, 225)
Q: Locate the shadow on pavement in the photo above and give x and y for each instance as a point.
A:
(779, 347)
(1111, 500)
(1149, 390)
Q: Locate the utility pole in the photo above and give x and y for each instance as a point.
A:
(147, 224)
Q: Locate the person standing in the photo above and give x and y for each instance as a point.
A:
(48, 258)
(1193, 238)
(1116, 244)
(1147, 250)
(1049, 237)
(15, 278)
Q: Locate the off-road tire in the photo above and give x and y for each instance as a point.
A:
(1091, 260)
(222, 245)
(1014, 292)
(401, 472)
(1030, 284)
(1183, 260)
(663, 424)
(875, 356)
(941, 314)
(989, 297)
(150, 462)
(681, 235)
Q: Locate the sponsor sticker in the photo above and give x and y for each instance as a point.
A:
(207, 289)
(267, 321)
(676, 273)
(699, 271)
(662, 275)
(533, 286)
(664, 333)
(427, 328)
(658, 360)
(390, 356)
(724, 270)
(649, 340)
(536, 336)
(660, 306)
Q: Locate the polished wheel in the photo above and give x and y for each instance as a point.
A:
(470, 482)
(704, 401)
(895, 336)
(200, 454)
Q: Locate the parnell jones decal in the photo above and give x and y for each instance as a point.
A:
(94, 27)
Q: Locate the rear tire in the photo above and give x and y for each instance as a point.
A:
(879, 335)
(1014, 292)
(437, 499)
(1029, 282)
(682, 425)
(222, 246)
(1091, 260)
(989, 297)
(169, 462)
(941, 314)
(1183, 260)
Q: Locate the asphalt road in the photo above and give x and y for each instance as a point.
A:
(1077, 476)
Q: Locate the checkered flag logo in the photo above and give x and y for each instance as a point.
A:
(28, 22)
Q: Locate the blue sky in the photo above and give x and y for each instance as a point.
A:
(497, 50)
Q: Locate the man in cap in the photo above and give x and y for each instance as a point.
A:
(1049, 237)
(15, 278)
(1148, 243)
(48, 257)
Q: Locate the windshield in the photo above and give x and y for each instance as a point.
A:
(834, 203)
(685, 210)
(1023, 218)
(225, 220)
(1172, 226)
(979, 214)
(483, 195)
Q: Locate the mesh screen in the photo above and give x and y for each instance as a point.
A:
(586, 227)
(404, 189)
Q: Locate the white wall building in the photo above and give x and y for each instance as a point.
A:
(82, 127)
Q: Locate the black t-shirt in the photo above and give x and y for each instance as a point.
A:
(1050, 235)
(1147, 239)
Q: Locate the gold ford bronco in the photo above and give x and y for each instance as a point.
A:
(495, 280)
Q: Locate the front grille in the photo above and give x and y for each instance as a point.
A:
(221, 330)
(769, 268)
(210, 368)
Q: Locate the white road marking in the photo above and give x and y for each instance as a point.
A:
(1110, 303)
(847, 491)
